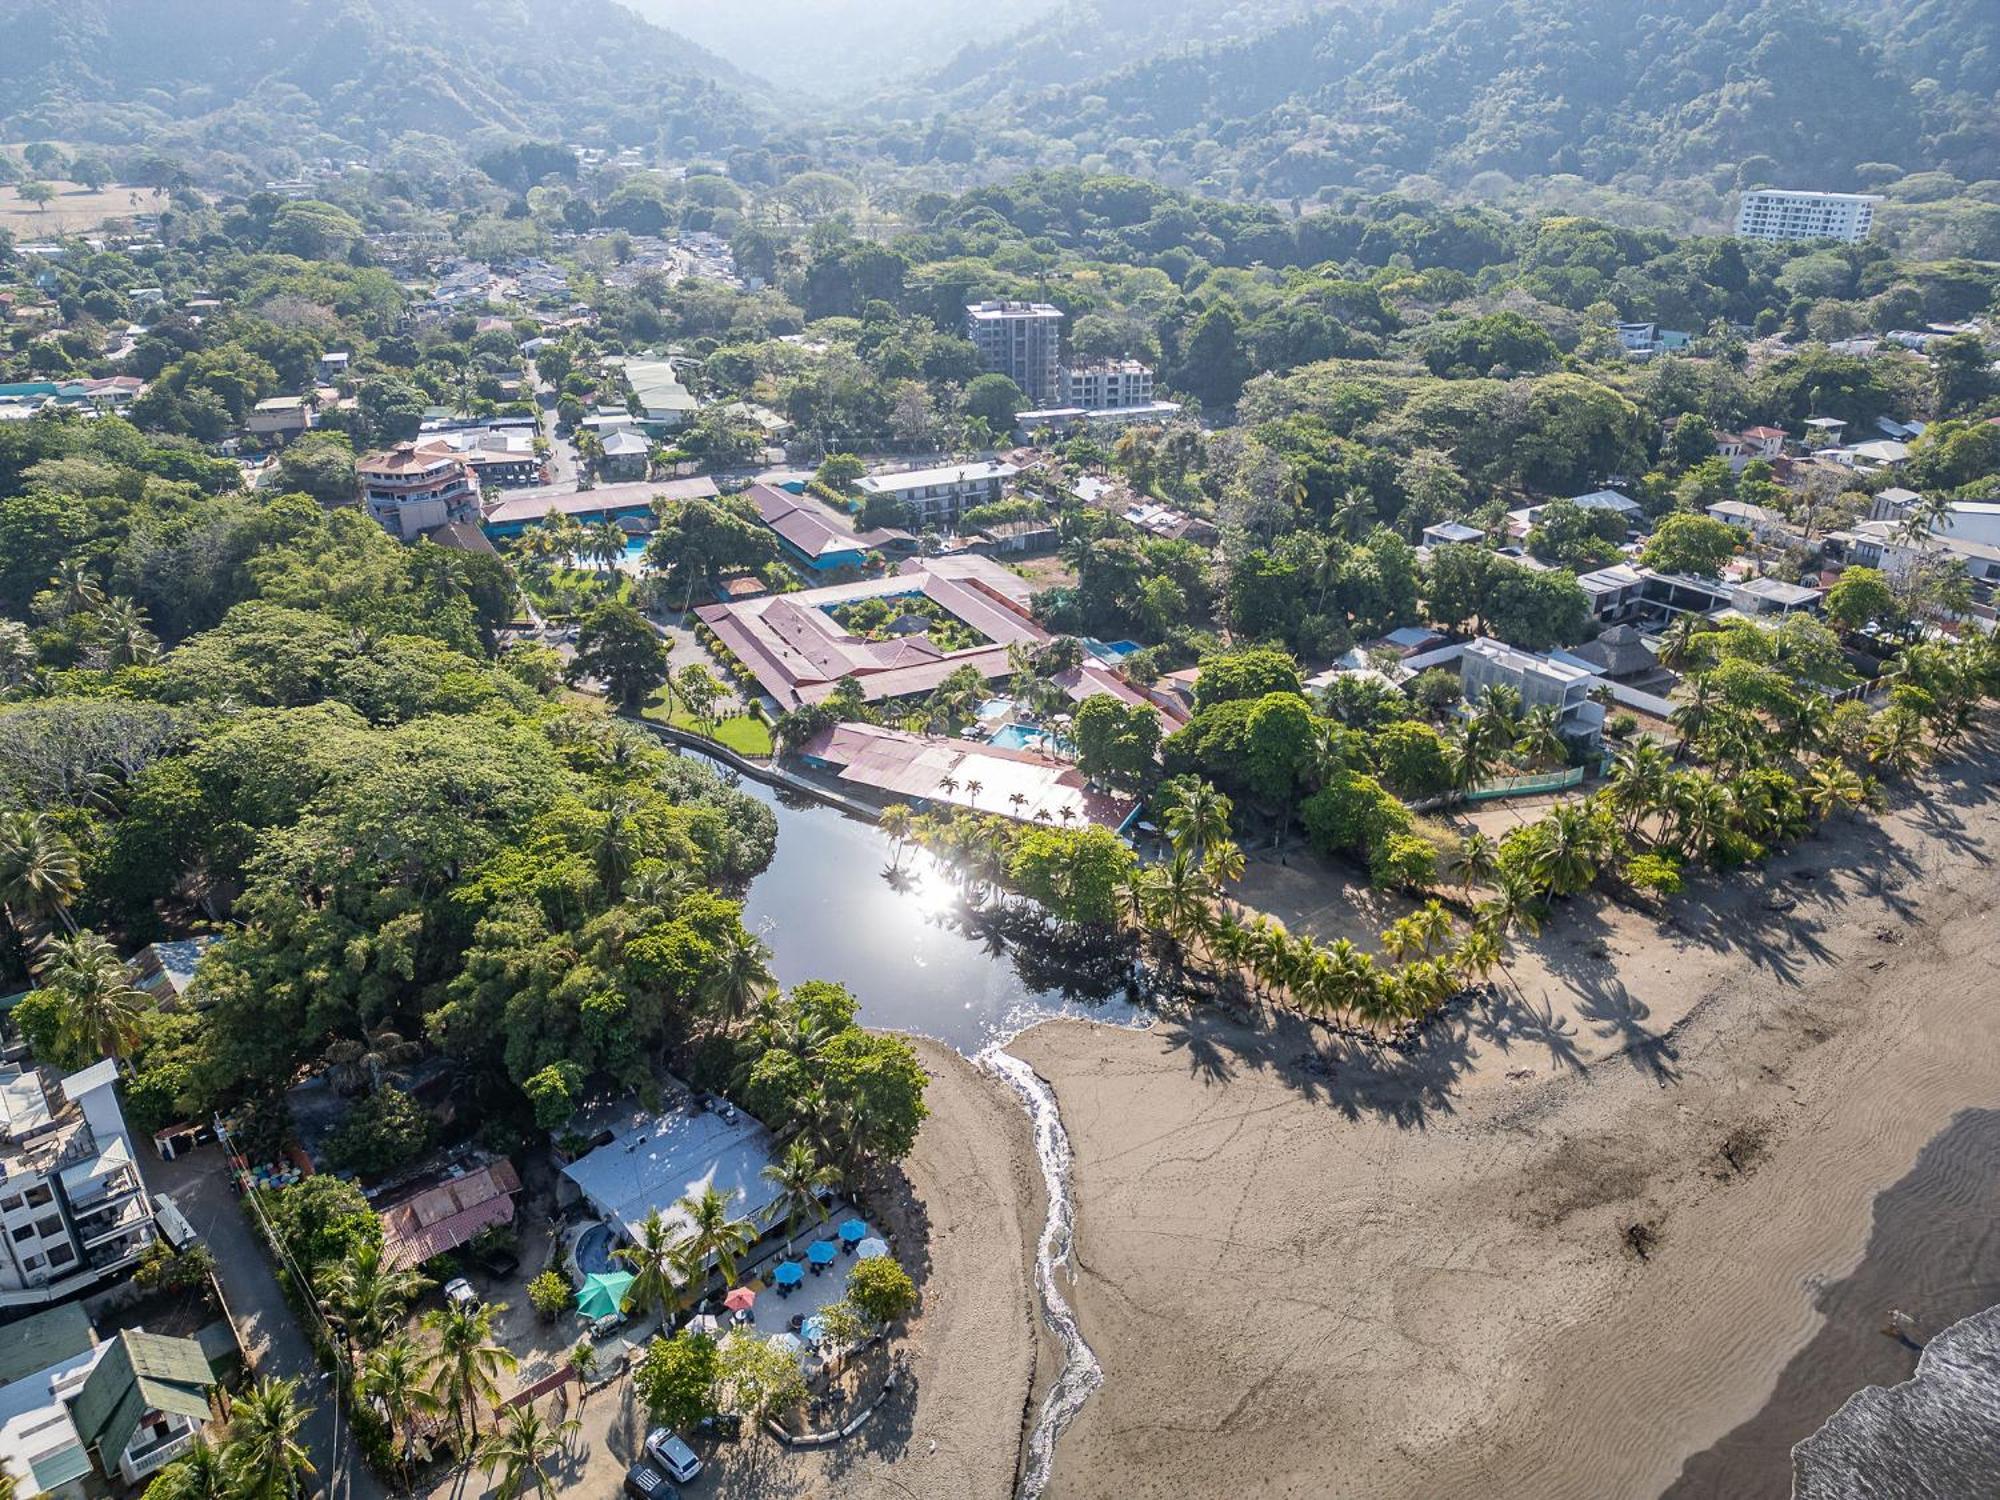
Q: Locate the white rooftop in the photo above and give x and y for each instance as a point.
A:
(916, 479)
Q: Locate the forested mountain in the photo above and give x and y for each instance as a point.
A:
(251, 75)
(1811, 92)
(838, 47)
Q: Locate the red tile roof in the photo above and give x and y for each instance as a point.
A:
(448, 1215)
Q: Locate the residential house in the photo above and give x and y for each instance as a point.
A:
(333, 368)
(627, 455)
(663, 403)
(281, 418)
(1620, 652)
(165, 970)
(1521, 522)
(73, 1207)
(938, 497)
(1772, 596)
(1446, 533)
(1764, 524)
(76, 1412)
(1542, 683)
(415, 487)
(439, 1217)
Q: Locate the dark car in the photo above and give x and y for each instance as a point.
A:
(646, 1481)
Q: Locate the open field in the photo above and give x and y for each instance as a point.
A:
(1311, 1270)
(75, 209)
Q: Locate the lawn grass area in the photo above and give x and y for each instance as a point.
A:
(75, 209)
(743, 734)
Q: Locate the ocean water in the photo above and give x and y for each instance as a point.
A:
(1933, 1256)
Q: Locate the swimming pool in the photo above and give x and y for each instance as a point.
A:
(996, 708)
(1109, 650)
(1025, 737)
(593, 1250)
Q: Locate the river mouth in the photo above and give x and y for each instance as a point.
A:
(1933, 1255)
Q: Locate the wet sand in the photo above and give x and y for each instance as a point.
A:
(1564, 1245)
(966, 1231)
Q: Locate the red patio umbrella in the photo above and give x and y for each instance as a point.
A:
(739, 1298)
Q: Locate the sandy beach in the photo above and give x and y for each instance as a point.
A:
(966, 1231)
(1561, 1246)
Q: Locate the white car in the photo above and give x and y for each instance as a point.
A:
(673, 1455)
(459, 1293)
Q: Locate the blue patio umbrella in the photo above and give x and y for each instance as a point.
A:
(603, 1294)
(852, 1230)
(813, 1329)
(822, 1252)
(791, 1273)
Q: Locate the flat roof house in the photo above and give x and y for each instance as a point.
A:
(73, 1208)
(608, 502)
(1541, 682)
(938, 497)
(280, 417)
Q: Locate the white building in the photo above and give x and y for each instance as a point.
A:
(1542, 683)
(73, 1207)
(938, 497)
(1778, 214)
(1107, 384)
(75, 1412)
(416, 487)
(1023, 341)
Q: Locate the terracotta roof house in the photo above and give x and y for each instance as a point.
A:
(444, 1216)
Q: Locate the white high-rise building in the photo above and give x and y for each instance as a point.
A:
(1107, 384)
(1023, 341)
(1777, 214)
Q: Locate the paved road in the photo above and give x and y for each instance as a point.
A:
(562, 453)
(199, 1184)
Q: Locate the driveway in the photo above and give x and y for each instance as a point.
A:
(271, 1335)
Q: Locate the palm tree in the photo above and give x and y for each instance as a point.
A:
(76, 591)
(742, 974)
(1475, 861)
(1198, 817)
(120, 627)
(365, 1063)
(100, 1004)
(202, 1472)
(1701, 812)
(264, 1426)
(1433, 927)
(657, 1274)
(1639, 781)
(1516, 902)
(1677, 646)
(1697, 709)
(39, 871)
(973, 787)
(1017, 800)
(392, 1376)
(801, 1183)
(467, 1363)
(713, 1234)
(367, 1298)
(1831, 787)
(894, 821)
(618, 845)
(520, 1448)
(1540, 735)
(1567, 860)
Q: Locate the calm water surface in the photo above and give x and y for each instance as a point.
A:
(828, 909)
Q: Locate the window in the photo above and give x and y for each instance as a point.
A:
(10, 1203)
(25, 1232)
(62, 1255)
(32, 1263)
(52, 1224)
(40, 1195)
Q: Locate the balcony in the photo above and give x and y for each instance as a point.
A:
(137, 1463)
(108, 1223)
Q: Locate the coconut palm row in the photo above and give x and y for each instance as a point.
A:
(257, 1455)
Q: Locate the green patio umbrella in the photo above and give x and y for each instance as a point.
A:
(603, 1294)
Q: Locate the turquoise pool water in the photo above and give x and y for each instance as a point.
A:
(1023, 737)
(1109, 650)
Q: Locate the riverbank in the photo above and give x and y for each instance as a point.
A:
(1566, 1243)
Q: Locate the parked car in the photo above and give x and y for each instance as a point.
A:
(458, 1292)
(643, 1481)
(666, 1449)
